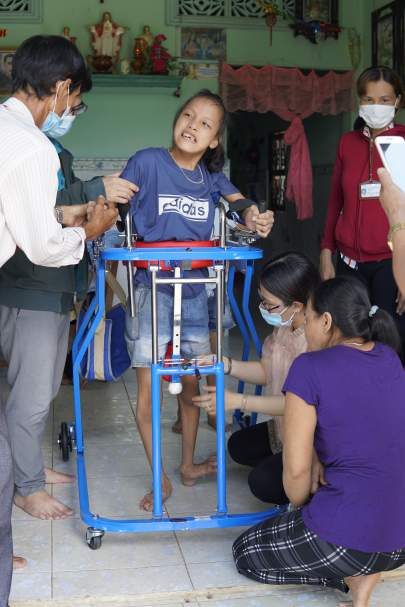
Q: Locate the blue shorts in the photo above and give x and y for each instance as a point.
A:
(227, 319)
(194, 326)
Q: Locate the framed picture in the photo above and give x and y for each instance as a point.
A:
(202, 43)
(6, 65)
(317, 10)
(385, 36)
(200, 70)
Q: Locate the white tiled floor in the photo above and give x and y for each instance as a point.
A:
(61, 566)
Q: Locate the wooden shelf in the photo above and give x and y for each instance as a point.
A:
(136, 81)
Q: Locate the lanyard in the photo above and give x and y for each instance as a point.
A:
(370, 151)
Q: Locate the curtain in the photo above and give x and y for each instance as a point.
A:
(293, 96)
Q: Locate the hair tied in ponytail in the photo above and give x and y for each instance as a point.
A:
(373, 310)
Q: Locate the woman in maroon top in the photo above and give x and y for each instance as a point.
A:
(356, 226)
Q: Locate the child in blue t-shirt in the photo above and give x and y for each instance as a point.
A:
(175, 201)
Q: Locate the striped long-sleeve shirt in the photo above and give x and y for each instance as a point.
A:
(29, 166)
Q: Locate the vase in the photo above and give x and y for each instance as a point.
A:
(102, 64)
(139, 48)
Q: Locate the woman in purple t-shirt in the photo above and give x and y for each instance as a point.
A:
(344, 408)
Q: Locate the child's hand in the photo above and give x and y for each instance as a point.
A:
(207, 401)
(261, 223)
(119, 190)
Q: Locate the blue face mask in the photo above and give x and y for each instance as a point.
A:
(276, 320)
(56, 126)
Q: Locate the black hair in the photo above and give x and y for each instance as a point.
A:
(375, 74)
(41, 61)
(214, 159)
(290, 277)
(348, 302)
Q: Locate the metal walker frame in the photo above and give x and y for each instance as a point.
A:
(178, 258)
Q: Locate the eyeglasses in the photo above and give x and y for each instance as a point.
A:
(78, 109)
(269, 307)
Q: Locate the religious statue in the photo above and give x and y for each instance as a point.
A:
(66, 34)
(106, 40)
(147, 35)
(160, 56)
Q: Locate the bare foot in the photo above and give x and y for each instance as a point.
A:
(146, 502)
(19, 562)
(361, 587)
(41, 505)
(57, 478)
(190, 474)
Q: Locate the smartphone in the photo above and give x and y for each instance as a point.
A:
(392, 152)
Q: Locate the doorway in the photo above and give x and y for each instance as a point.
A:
(249, 153)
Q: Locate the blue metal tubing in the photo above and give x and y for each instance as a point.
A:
(239, 320)
(84, 336)
(221, 456)
(162, 524)
(249, 320)
(181, 254)
(156, 443)
(80, 345)
(157, 371)
(245, 306)
(244, 322)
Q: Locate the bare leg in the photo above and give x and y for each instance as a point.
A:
(190, 415)
(361, 587)
(144, 423)
(176, 428)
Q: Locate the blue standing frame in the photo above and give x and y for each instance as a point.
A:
(98, 525)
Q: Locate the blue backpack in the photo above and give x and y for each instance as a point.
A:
(107, 356)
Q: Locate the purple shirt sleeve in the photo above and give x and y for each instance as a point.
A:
(301, 380)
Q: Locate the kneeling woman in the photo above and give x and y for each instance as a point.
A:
(286, 284)
(345, 398)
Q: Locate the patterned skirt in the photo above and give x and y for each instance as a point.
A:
(283, 550)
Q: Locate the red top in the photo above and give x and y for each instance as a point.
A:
(356, 227)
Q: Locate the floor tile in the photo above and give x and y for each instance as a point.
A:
(202, 497)
(118, 551)
(31, 586)
(121, 582)
(118, 498)
(208, 545)
(218, 575)
(32, 540)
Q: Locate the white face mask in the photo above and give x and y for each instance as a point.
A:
(377, 116)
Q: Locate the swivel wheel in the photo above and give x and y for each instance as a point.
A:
(94, 538)
(65, 441)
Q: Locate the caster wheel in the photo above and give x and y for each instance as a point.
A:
(94, 538)
(65, 441)
(94, 543)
